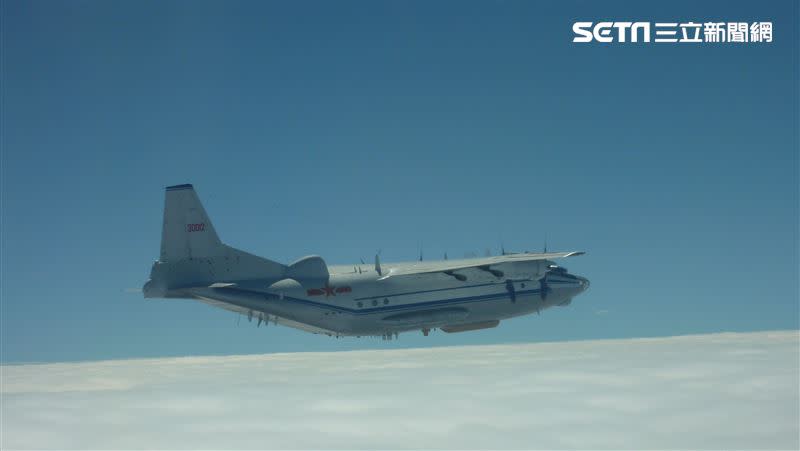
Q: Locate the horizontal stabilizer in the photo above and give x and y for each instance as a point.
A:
(221, 285)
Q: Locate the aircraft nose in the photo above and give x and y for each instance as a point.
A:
(584, 283)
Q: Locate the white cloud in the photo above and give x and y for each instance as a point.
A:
(717, 391)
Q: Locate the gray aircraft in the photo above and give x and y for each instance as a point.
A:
(379, 299)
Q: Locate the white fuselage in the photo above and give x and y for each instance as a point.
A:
(454, 295)
(357, 301)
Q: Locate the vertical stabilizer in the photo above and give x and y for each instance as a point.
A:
(187, 232)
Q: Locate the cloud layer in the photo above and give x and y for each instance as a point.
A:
(717, 391)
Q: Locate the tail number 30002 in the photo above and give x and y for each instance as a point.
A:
(196, 227)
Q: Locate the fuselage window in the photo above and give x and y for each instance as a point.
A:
(360, 304)
(385, 301)
(374, 302)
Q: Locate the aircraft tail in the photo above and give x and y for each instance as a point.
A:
(187, 232)
(192, 254)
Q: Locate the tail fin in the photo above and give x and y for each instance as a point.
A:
(187, 231)
(192, 254)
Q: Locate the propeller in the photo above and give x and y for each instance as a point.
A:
(544, 287)
(511, 291)
(378, 263)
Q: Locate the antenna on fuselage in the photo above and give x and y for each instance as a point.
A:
(378, 263)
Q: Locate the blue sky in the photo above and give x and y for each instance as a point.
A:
(340, 128)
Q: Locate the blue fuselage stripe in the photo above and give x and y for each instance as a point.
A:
(390, 308)
(369, 298)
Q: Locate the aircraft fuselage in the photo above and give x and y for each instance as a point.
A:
(383, 300)
(355, 301)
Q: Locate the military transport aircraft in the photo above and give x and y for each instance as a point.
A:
(379, 299)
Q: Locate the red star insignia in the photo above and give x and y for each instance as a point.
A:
(329, 290)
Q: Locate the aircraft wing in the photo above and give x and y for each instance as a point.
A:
(481, 263)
